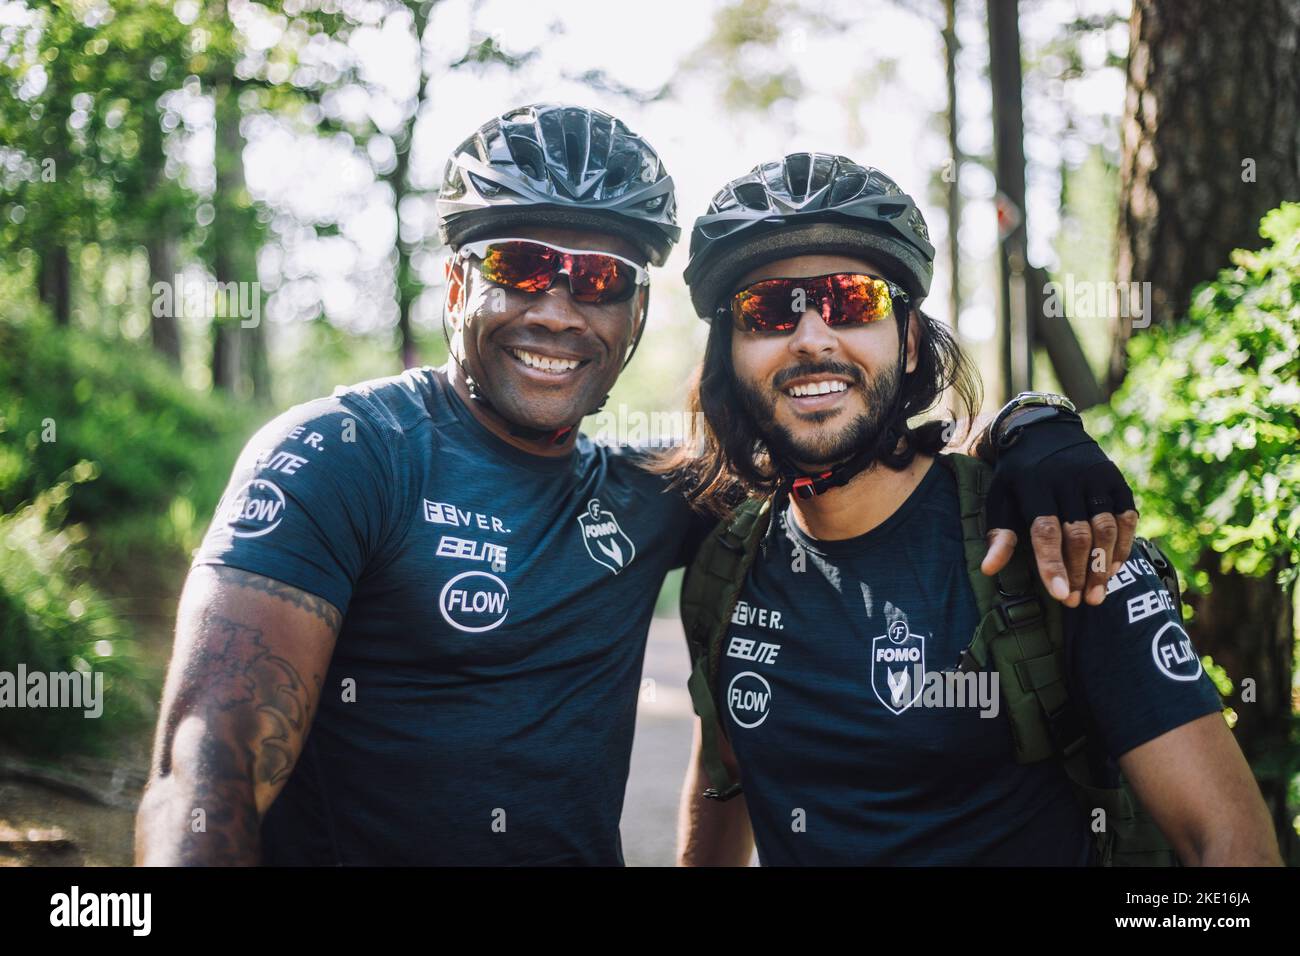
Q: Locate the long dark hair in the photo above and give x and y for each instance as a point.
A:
(730, 461)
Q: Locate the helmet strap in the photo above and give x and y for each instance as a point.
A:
(806, 485)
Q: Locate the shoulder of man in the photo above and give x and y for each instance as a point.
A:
(394, 404)
(317, 492)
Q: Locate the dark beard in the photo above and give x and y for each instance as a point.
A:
(826, 448)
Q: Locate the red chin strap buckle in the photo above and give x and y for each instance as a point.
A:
(806, 487)
(558, 436)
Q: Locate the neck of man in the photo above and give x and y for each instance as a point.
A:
(866, 502)
(498, 426)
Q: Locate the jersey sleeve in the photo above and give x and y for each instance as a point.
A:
(305, 502)
(1134, 664)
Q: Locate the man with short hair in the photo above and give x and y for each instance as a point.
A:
(826, 685)
(414, 632)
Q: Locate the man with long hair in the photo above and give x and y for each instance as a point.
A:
(878, 702)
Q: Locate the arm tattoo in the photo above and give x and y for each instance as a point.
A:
(236, 672)
(267, 708)
(318, 607)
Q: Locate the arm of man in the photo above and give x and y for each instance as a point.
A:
(1197, 786)
(242, 688)
(1156, 713)
(306, 511)
(712, 832)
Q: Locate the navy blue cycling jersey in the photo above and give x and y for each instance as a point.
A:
(480, 703)
(859, 744)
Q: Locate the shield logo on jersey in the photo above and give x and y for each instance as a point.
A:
(898, 667)
(605, 540)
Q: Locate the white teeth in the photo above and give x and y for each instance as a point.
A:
(543, 362)
(817, 388)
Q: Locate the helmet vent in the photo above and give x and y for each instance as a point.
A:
(891, 210)
(797, 168)
(846, 188)
(528, 157)
(618, 169)
(752, 195)
(485, 188)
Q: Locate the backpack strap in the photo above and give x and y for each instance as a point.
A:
(709, 593)
(1020, 633)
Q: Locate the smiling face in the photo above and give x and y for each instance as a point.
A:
(819, 394)
(544, 360)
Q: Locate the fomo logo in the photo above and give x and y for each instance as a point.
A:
(474, 601)
(256, 509)
(604, 539)
(896, 656)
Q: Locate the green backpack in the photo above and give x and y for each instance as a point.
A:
(1020, 633)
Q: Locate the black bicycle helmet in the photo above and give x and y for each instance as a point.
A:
(554, 165)
(806, 202)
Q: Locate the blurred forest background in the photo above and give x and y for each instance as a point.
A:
(1061, 149)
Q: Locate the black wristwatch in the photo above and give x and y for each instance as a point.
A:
(1040, 405)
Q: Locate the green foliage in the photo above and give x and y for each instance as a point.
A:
(158, 452)
(53, 620)
(83, 161)
(109, 467)
(1208, 420)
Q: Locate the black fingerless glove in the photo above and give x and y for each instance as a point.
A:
(1052, 467)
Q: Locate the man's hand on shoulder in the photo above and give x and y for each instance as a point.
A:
(1052, 481)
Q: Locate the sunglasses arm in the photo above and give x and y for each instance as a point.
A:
(641, 317)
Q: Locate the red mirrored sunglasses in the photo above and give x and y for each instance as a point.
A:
(527, 265)
(844, 299)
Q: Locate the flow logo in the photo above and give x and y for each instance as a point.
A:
(604, 539)
(256, 509)
(474, 602)
(749, 699)
(1174, 654)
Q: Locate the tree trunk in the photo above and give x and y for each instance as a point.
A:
(164, 330)
(1211, 143)
(55, 282)
(1009, 172)
(1247, 624)
(1024, 291)
(403, 276)
(405, 280)
(239, 360)
(950, 49)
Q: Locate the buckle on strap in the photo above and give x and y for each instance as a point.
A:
(712, 793)
(1018, 610)
(966, 662)
(803, 488)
